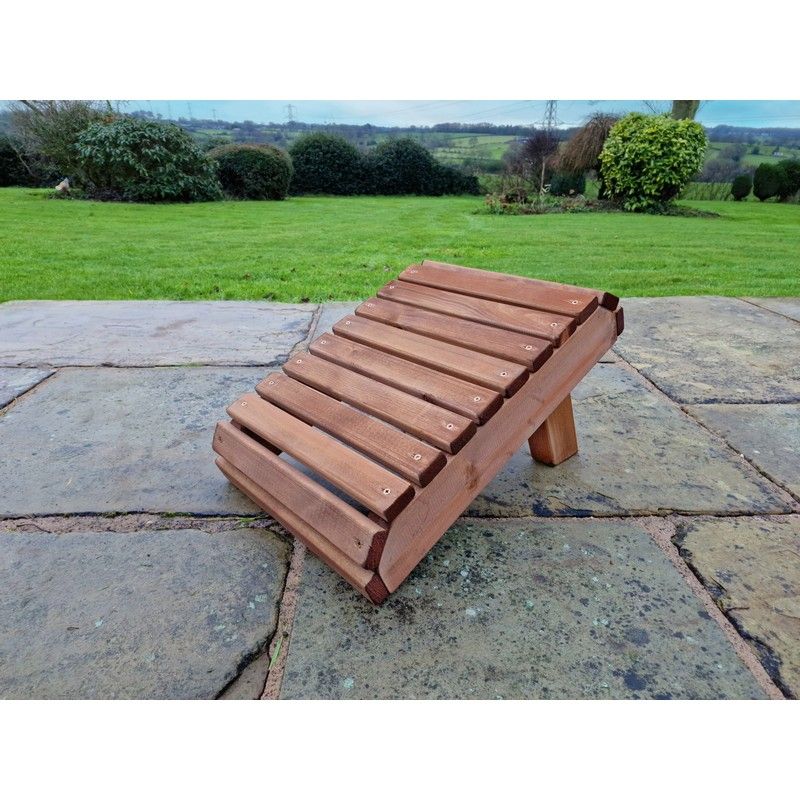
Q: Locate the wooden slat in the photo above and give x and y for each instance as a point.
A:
(398, 451)
(375, 487)
(363, 580)
(525, 350)
(501, 375)
(358, 537)
(437, 506)
(553, 327)
(559, 298)
(464, 398)
(443, 429)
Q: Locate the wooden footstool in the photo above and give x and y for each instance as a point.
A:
(403, 413)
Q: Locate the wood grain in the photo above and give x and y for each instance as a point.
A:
(436, 507)
(526, 350)
(501, 375)
(373, 486)
(555, 440)
(467, 399)
(366, 582)
(427, 421)
(555, 328)
(401, 453)
(358, 537)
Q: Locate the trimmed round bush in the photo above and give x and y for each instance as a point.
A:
(647, 160)
(789, 174)
(566, 184)
(403, 166)
(325, 164)
(766, 181)
(252, 171)
(741, 187)
(144, 161)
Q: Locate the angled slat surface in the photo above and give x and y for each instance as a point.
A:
(409, 457)
(427, 421)
(375, 487)
(501, 375)
(553, 327)
(468, 399)
(574, 301)
(525, 350)
(361, 579)
(358, 537)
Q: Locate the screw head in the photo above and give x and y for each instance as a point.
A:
(244, 402)
(477, 398)
(387, 491)
(449, 426)
(553, 324)
(323, 341)
(503, 374)
(574, 302)
(417, 456)
(271, 383)
(299, 360)
(347, 322)
(529, 347)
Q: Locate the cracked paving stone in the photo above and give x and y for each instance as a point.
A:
(15, 381)
(517, 609)
(751, 566)
(769, 435)
(156, 614)
(149, 332)
(639, 454)
(788, 306)
(121, 440)
(712, 349)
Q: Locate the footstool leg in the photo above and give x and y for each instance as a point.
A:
(555, 441)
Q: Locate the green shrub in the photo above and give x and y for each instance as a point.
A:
(789, 178)
(647, 160)
(12, 170)
(403, 166)
(566, 184)
(143, 161)
(252, 171)
(741, 187)
(766, 181)
(325, 164)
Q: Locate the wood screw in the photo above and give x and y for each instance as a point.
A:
(417, 456)
(553, 324)
(477, 398)
(503, 374)
(529, 347)
(449, 426)
(387, 491)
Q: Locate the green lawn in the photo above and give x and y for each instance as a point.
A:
(344, 248)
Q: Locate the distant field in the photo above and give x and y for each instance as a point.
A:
(315, 249)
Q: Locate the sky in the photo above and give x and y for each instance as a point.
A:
(749, 113)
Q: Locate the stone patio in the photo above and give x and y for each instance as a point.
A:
(661, 562)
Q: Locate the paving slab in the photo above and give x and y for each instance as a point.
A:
(121, 440)
(149, 332)
(788, 306)
(751, 566)
(713, 349)
(769, 435)
(639, 454)
(156, 614)
(15, 381)
(517, 609)
(332, 313)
